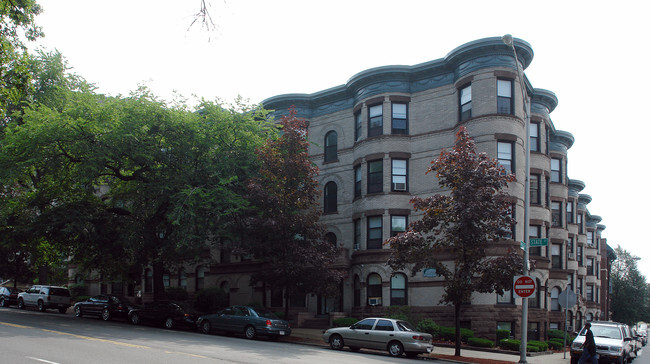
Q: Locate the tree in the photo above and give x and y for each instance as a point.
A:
(629, 289)
(460, 226)
(282, 232)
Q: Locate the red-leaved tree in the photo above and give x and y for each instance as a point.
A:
(284, 233)
(460, 226)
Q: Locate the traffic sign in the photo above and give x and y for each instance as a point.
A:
(567, 298)
(523, 286)
(534, 242)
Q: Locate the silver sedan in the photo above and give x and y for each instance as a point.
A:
(396, 336)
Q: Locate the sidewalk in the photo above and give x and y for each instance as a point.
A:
(315, 337)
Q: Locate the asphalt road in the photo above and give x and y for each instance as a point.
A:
(32, 337)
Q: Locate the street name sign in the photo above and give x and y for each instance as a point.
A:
(534, 242)
(523, 286)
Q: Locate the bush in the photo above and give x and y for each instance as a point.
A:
(480, 342)
(430, 327)
(502, 334)
(80, 298)
(541, 345)
(176, 293)
(344, 321)
(210, 300)
(448, 333)
(555, 345)
(398, 312)
(559, 334)
(510, 344)
(78, 290)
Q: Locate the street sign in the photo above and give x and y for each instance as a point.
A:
(538, 242)
(523, 286)
(567, 298)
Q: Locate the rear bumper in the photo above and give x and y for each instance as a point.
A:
(272, 331)
(418, 347)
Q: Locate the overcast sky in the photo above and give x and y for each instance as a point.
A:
(592, 54)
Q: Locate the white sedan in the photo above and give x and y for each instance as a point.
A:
(396, 336)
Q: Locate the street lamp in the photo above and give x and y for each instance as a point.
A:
(508, 40)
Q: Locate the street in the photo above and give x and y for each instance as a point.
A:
(31, 337)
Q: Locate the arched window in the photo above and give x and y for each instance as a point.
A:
(331, 145)
(534, 301)
(555, 303)
(331, 237)
(374, 290)
(589, 317)
(148, 280)
(398, 291)
(357, 291)
(200, 277)
(330, 198)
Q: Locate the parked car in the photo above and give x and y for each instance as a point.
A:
(45, 297)
(106, 306)
(168, 313)
(8, 296)
(396, 336)
(245, 320)
(613, 344)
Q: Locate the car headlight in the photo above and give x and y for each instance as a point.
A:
(617, 349)
(576, 346)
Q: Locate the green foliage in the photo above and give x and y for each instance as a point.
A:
(344, 321)
(80, 298)
(630, 291)
(560, 336)
(402, 313)
(448, 333)
(555, 345)
(77, 290)
(429, 326)
(210, 300)
(541, 345)
(480, 342)
(502, 334)
(176, 293)
(510, 344)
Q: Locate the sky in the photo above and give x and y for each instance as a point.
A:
(592, 54)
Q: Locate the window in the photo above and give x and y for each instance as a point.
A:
(506, 297)
(569, 247)
(465, 99)
(374, 290)
(579, 221)
(579, 255)
(384, 325)
(556, 214)
(505, 325)
(330, 198)
(365, 324)
(569, 212)
(555, 303)
(556, 257)
(399, 175)
(375, 120)
(182, 278)
(535, 189)
(556, 170)
(375, 176)
(534, 137)
(590, 266)
(400, 119)
(504, 97)
(200, 277)
(148, 280)
(534, 300)
(570, 282)
(331, 144)
(357, 125)
(357, 181)
(166, 281)
(533, 331)
(505, 154)
(590, 293)
(357, 291)
(590, 238)
(397, 225)
(398, 290)
(331, 238)
(579, 286)
(357, 234)
(535, 231)
(374, 232)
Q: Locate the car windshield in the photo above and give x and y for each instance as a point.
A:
(120, 299)
(610, 332)
(405, 326)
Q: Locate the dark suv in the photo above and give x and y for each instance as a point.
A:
(45, 297)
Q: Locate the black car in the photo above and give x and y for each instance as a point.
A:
(8, 296)
(170, 314)
(246, 320)
(105, 306)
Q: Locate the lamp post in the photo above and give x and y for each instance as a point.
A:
(507, 39)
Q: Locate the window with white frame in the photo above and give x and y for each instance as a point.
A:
(375, 176)
(373, 290)
(357, 181)
(357, 234)
(374, 232)
(398, 290)
(399, 174)
(535, 189)
(556, 170)
(331, 145)
(397, 224)
(569, 212)
(534, 137)
(375, 120)
(357, 125)
(556, 257)
(505, 155)
(555, 302)
(400, 118)
(504, 97)
(465, 99)
(556, 214)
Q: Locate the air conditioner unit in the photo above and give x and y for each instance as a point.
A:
(374, 301)
(399, 186)
(570, 255)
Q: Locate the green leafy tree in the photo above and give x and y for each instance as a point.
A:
(283, 233)
(460, 226)
(629, 289)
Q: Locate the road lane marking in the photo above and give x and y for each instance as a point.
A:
(98, 339)
(41, 360)
(188, 354)
(15, 325)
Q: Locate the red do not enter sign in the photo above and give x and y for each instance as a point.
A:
(524, 286)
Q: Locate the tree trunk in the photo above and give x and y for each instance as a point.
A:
(158, 284)
(457, 320)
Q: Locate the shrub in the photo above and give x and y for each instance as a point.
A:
(402, 313)
(428, 326)
(502, 334)
(176, 293)
(541, 345)
(555, 345)
(344, 321)
(480, 342)
(510, 344)
(80, 298)
(78, 290)
(532, 349)
(559, 334)
(210, 300)
(449, 333)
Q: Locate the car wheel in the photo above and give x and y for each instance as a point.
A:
(21, 304)
(3, 303)
(106, 314)
(77, 311)
(135, 318)
(249, 332)
(63, 309)
(169, 323)
(206, 327)
(395, 348)
(41, 306)
(336, 342)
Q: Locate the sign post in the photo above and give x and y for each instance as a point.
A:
(567, 299)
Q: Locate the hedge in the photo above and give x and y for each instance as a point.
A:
(543, 346)
(344, 321)
(502, 334)
(510, 344)
(555, 345)
(448, 333)
(480, 342)
(428, 326)
(210, 300)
